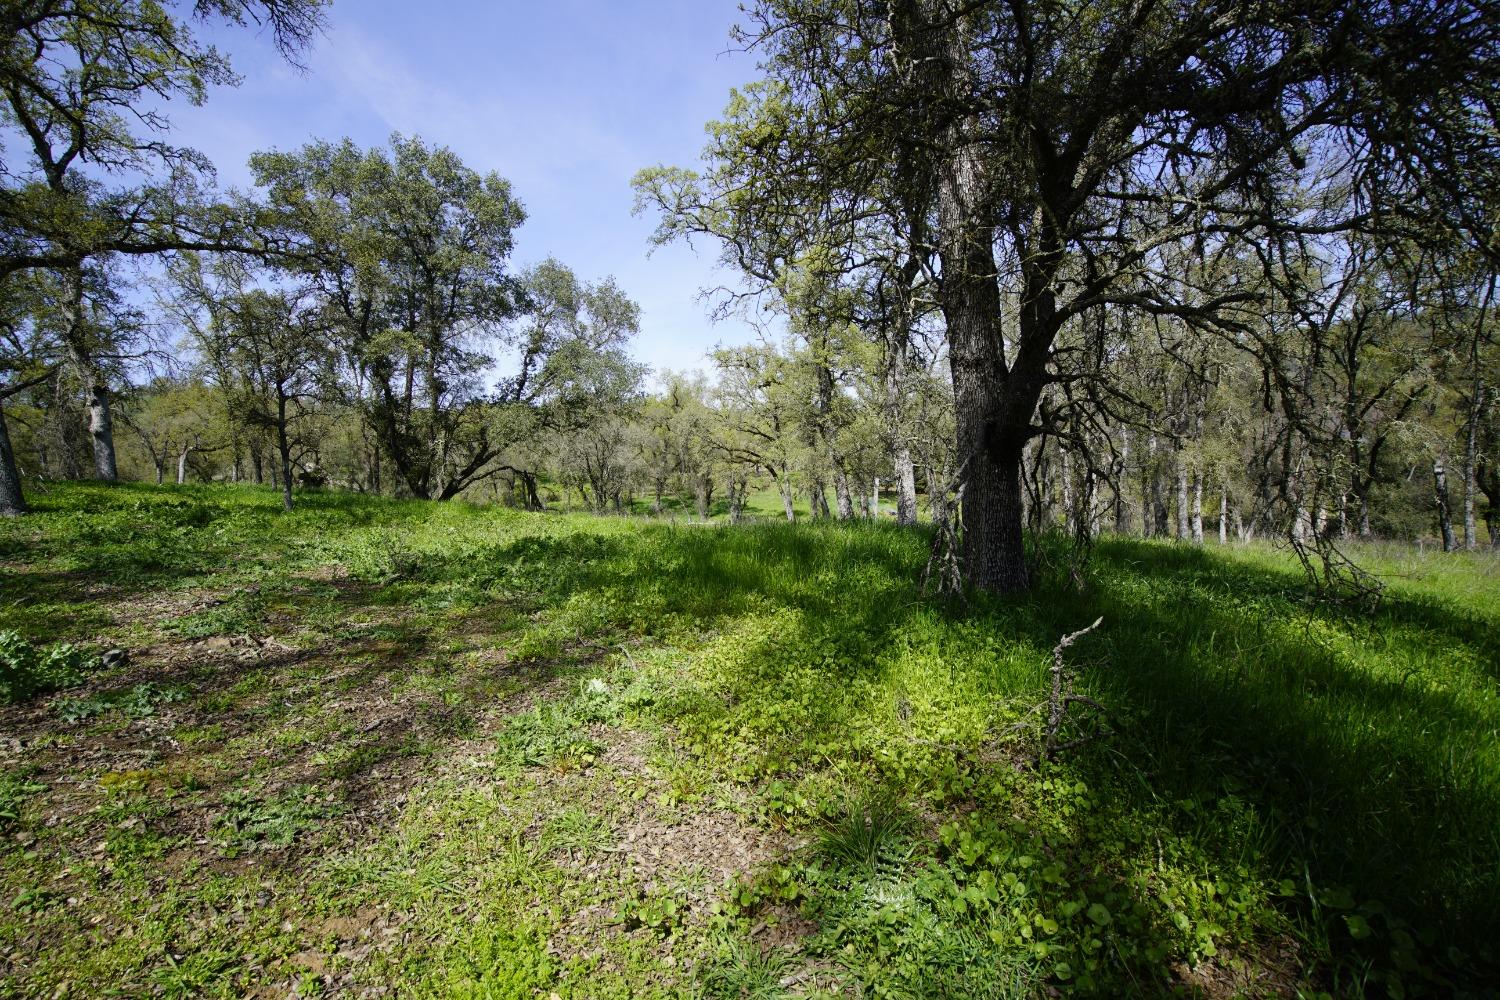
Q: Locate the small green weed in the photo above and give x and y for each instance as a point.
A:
(873, 831)
(138, 702)
(15, 789)
(743, 970)
(250, 821)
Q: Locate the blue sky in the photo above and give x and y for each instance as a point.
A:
(566, 99)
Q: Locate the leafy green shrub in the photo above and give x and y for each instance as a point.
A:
(26, 671)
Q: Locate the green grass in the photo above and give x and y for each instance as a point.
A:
(468, 751)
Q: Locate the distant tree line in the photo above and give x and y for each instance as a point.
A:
(1200, 271)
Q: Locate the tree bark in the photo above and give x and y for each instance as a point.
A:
(1197, 510)
(284, 448)
(102, 430)
(12, 499)
(1440, 495)
(1471, 462)
(842, 495)
(1223, 516)
(1183, 532)
(906, 487)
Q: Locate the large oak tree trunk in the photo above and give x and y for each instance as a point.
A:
(102, 430)
(993, 511)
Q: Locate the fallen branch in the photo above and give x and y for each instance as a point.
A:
(1062, 696)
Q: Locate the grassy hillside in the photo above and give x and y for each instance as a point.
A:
(454, 751)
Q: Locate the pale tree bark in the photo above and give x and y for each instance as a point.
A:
(1182, 500)
(75, 335)
(1197, 510)
(906, 487)
(1224, 516)
(102, 431)
(1070, 512)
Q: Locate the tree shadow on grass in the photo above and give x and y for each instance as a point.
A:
(1366, 745)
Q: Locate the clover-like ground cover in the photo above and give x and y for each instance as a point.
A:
(386, 748)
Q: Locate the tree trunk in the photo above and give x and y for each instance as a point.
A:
(842, 495)
(12, 500)
(1440, 495)
(1471, 461)
(1223, 516)
(1116, 485)
(1182, 500)
(102, 430)
(1149, 480)
(788, 504)
(1197, 510)
(284, 448)
(906, 487)
(992, 509)
(1070, 512)
(182, 465)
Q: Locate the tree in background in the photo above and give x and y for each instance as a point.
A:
(1066, 148)
(90, 170)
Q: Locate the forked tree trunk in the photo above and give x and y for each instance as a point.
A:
(12, 500)
(993, 512)
(788, 500)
